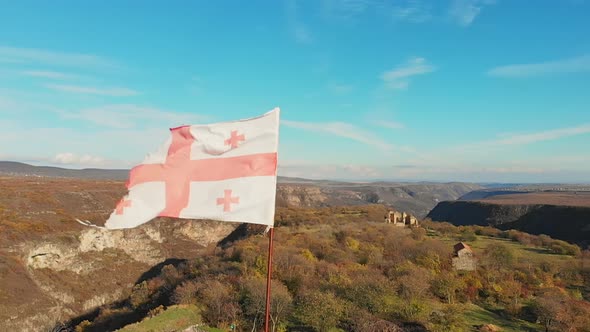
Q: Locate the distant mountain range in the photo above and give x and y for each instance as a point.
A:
(417, 198)
(13, 168)
(21, 169)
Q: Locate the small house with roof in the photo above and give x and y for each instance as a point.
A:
(463, 257)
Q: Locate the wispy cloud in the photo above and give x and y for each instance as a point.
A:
(548, 135)
(68, 158)
(340, 89)
(115, 92)
(346, 9)
(390, 124)
(16, 54)
(397, 78)
(341, 129)
(571, 65)
(298, 29)
(48, 74)
(415, 11)
(464, 12)
(302, 33)
(484, 148)
(123, 116)
(308, 170)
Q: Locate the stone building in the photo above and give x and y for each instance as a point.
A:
(400, 218)
(411, 220)
(463, 257)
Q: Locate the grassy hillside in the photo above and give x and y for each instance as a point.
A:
(174, 318)
(344, 272)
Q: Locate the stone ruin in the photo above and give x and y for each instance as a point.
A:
(398, 218)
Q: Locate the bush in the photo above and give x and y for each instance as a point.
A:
(156, 311)
(83, 326)
(449, 319)
(467, 236)
(418, 233)
(139, 295)
(321, 311)
(186, 293)
(564, 248)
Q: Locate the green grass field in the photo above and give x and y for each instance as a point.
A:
(476, 316)
(530, 254)
(175, 318)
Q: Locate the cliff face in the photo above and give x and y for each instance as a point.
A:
(416, 199)
(569, 223)
(67, 274)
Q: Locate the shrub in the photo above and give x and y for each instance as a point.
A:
(156, 311)
(83, 326)
(467, 236)
(451, 318)
(418, 233)
(321, 311)
(139, 295)
(186, 293)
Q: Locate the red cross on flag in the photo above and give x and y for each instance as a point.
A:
(224, 171)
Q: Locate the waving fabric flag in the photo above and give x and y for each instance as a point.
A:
(224, 171)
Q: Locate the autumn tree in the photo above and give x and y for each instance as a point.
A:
(253, 302)
(221, 307)
(320, 310)
(511, 293)
(445, 285)
(548, 305)
(449, 319)
(186, 293)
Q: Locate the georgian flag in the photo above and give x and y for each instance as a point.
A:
(224, 171)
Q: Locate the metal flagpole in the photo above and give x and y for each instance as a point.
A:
(268, 277)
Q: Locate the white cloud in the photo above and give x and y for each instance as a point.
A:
(495, 152)
(68, 158)
(464, 12)
(341, 129)
(297, 28)
(346, 9)
(15, 54)
(123, 116)
(340, 89)
(507, 172)
(22, 104)
(330, 171)
(571, 65)
(548, 135)
(48, 74)
(390, 124)
(397, 78)
(120, 148)
(302, 33)
(6, 104)
(115, 92)
(415, 11)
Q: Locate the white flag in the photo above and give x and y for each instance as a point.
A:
(224, 171)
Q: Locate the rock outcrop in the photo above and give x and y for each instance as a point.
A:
(80, 272)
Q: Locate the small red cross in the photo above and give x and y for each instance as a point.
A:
(235, 139)
(121, 205)
(227, 200)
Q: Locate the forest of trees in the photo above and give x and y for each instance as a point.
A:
(343, 269)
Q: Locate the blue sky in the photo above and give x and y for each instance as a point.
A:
(458, 90)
